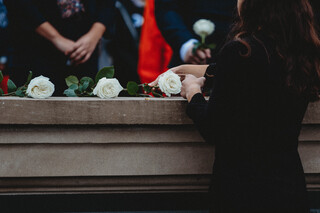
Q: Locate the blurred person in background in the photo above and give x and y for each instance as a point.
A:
(57, 38)
(123, 48)
(154, 52)
(175, 19)
(4, 45)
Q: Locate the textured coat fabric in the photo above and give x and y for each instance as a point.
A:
(33, 52)
(254, 122)
(175, 19)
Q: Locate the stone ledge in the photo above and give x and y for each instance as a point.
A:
(91, 111)
(84, 145)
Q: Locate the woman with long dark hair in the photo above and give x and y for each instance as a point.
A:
(263, 80)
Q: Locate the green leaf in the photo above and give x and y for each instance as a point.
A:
(90, 80)
(1, 92)
(72, 80)
(20, 93)
(70, 93)
(29, 77)
(107, 72)
(196, 46)
(80, 88)
(132, 88)
(147, 88)
(85, 85)
(74, 87)
(212, 46)
(78, 92)
(1, 77)
(11, 86)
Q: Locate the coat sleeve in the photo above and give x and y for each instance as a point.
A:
(26, 11)
(105, 13)
(209, 117)
(171, 24)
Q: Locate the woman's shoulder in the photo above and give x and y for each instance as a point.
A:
(250, 48)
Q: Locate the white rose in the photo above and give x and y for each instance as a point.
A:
(107, 88)
(40, 87)
(203, 27)
(170, 83)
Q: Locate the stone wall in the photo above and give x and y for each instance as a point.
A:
(123, 145)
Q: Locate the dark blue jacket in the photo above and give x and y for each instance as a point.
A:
(175, 18)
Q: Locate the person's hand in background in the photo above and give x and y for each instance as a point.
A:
(64, 45)
(85, 46)
(198, 56)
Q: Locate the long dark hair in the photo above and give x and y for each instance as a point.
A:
(291, 24)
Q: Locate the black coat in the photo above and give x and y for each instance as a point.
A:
(175, 19)
(33, 52)
(27, 15)
(254, 122)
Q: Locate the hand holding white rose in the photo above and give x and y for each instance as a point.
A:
(199, 51)
(198, 56)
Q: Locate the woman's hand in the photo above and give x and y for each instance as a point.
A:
(87, 44)
(64, 45)
(84, 48)
(182, 70)
(191, 86)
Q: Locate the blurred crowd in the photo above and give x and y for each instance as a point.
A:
(141, 38)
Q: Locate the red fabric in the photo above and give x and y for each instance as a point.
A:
(154, 53)
(3, 84)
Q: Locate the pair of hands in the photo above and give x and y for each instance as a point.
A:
(78, 51)
(192, 79)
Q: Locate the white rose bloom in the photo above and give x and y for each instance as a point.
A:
(107, 88)
(203, 27)
(40, 87)
(170, 83)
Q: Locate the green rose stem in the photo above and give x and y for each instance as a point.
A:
(9, 94)
(203, 39)
(14, 92)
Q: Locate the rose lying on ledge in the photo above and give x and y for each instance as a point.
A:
(106, 86)
(170, 83)
(40, 87)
